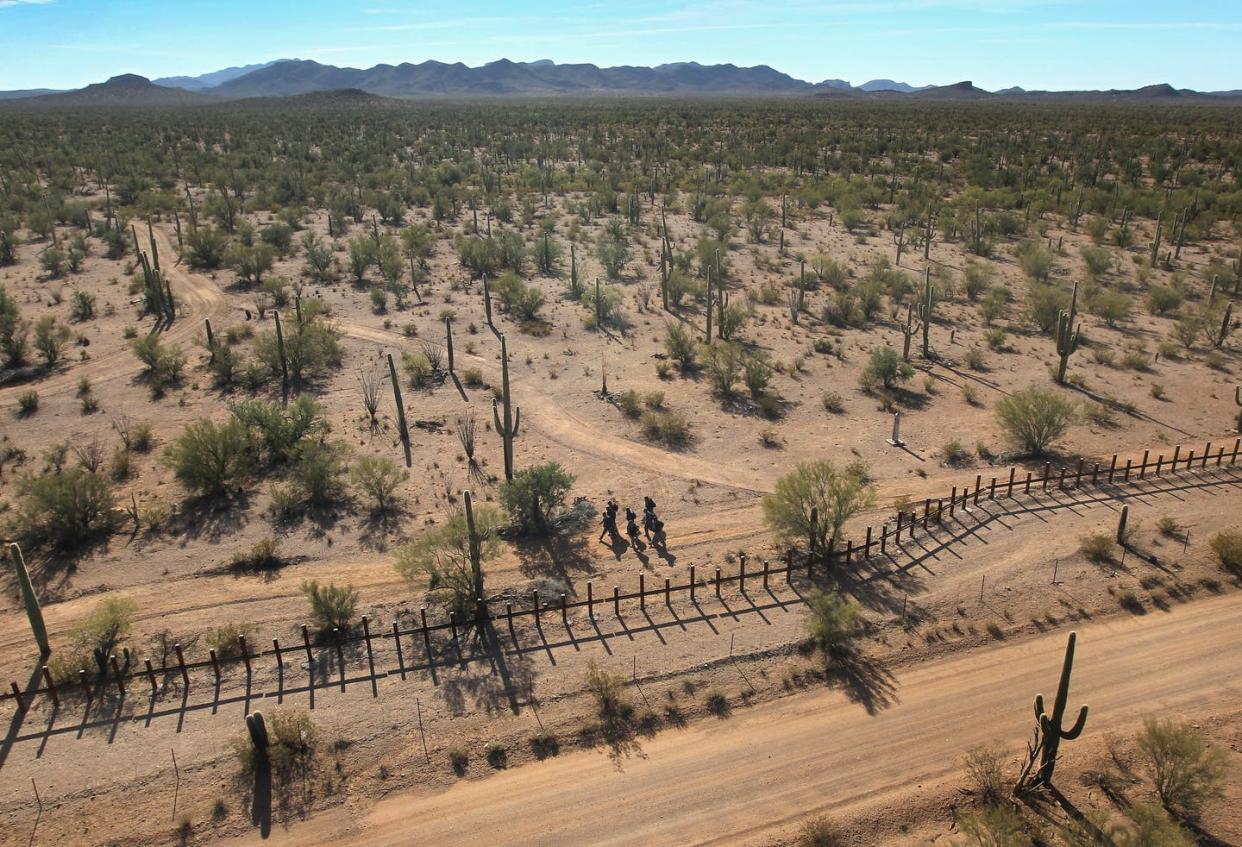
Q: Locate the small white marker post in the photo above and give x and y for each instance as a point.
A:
(896, 439)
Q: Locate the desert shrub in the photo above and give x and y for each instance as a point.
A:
(833, 622)
(50, 338)
(517, 298)
(608, 689)
(206, 248)
(821, 832)
(1045, 305)
(975, 360)
(954, 454)
(28, 403)
(293, 744)
(1163, 299)
(631, 403)
(603, 305)
(83, 308)
(534, 495)
(985, 767)
(226, 639)
(63, 507)
(94, 638)
(723, 363)
(812, 502)
(377, 478)
(756, 373)
(459, 760)
(680, 346)
(441, 557)
(332, 606)
(1035, 260)
(210, 458)
(997, 340)
(1098, 414)
(885, 369)
(997, 826)
(1112, 307)
(1097, 260)
(976, 280)
(1035, 418)
(1228, 548)
(833, 402)
(670, 428)
(280, 430)
(1097, 547)
(419, 369)
(1186, 773)
(544, 744)
(496, 754)
(310, 350)
(164, 362)
(316, 470)
(264, 555)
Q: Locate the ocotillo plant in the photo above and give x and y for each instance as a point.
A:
(1067, 335)
(257, 727)
(508, 428)
(30, 599)
(1051, 732)
(402, 428)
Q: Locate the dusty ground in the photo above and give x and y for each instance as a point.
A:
(708, 494)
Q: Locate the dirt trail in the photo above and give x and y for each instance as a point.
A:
(197, 298)
(723, 783)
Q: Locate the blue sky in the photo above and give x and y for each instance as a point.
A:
(1054, 44)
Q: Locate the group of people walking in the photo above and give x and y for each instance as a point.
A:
(653, 527)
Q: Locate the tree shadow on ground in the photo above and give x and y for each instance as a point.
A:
(555, 556)
(865, 680)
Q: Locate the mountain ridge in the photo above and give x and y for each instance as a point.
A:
(505, 78)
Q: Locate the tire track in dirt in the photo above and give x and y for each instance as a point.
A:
(197, 298)
(813, 753)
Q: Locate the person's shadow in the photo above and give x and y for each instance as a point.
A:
(261, 803)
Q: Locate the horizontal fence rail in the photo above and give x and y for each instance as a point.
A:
(124, 671)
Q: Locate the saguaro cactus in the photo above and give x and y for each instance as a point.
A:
(448, 341)
(1237, 398)
(476, 557)
(925, 310)
(402, 428)
(1226, 324)
(1051, 731)
(487, 303)
(284, 363)
(257, 727)
(1122, 520)
(30, 599)
(1067, 335)
(908, 332)
(508, 428)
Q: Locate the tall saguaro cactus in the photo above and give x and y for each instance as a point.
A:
(1237, 398)
(508, 427)
(1051, 730)
(1067, 335)
(30, 599)
(476, 557)
(402, 428)
(925, 309)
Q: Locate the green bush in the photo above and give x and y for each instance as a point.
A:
(821, 832)
(669, 428)
(442, 558)
(680, 346)
(64, 507)
(723, 363)
(210, 458)
(816, 489)
(1035, 418)
(1228, 548)
(332, 606)
(164, 362)
(1186, 772)
(50, 338)
(534, 494)
(1097, 547)
(280, 430)
(608, 689)
(28, 403)
(96, 636)
(833, 623)
(377, 478)
(316, 471)
(885, 369)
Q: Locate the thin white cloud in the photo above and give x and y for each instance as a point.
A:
(12, 4)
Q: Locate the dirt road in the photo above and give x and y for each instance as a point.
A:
(729, 781)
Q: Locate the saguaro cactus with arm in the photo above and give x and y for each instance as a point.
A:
(1067, 335)
(1051, 731)
(508, 427)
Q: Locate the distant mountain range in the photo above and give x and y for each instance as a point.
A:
(503, 78)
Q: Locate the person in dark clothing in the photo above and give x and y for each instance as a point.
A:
(609, 521)
(631, 527)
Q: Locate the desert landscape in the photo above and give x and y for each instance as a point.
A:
(314, 405)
